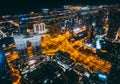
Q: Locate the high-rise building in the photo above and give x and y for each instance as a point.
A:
(100, 22)
(90, 27)
(35, 42)
(115, 69)
(72, 26)
(114, 23)
(23, 28)
(21, 47)
(39, 28)
(29, 47)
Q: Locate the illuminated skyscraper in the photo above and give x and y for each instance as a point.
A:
(21, 41)
(21, 47)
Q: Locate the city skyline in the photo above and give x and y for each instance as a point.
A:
(25, 6)
(59, 42)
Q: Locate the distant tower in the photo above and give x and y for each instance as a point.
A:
(72, 26)
(4, 69)
(100, 22)
(39, 28)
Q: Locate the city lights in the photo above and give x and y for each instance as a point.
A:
(73, 44)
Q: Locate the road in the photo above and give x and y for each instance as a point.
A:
(50, 45)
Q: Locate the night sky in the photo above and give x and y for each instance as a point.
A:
(21, 6)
